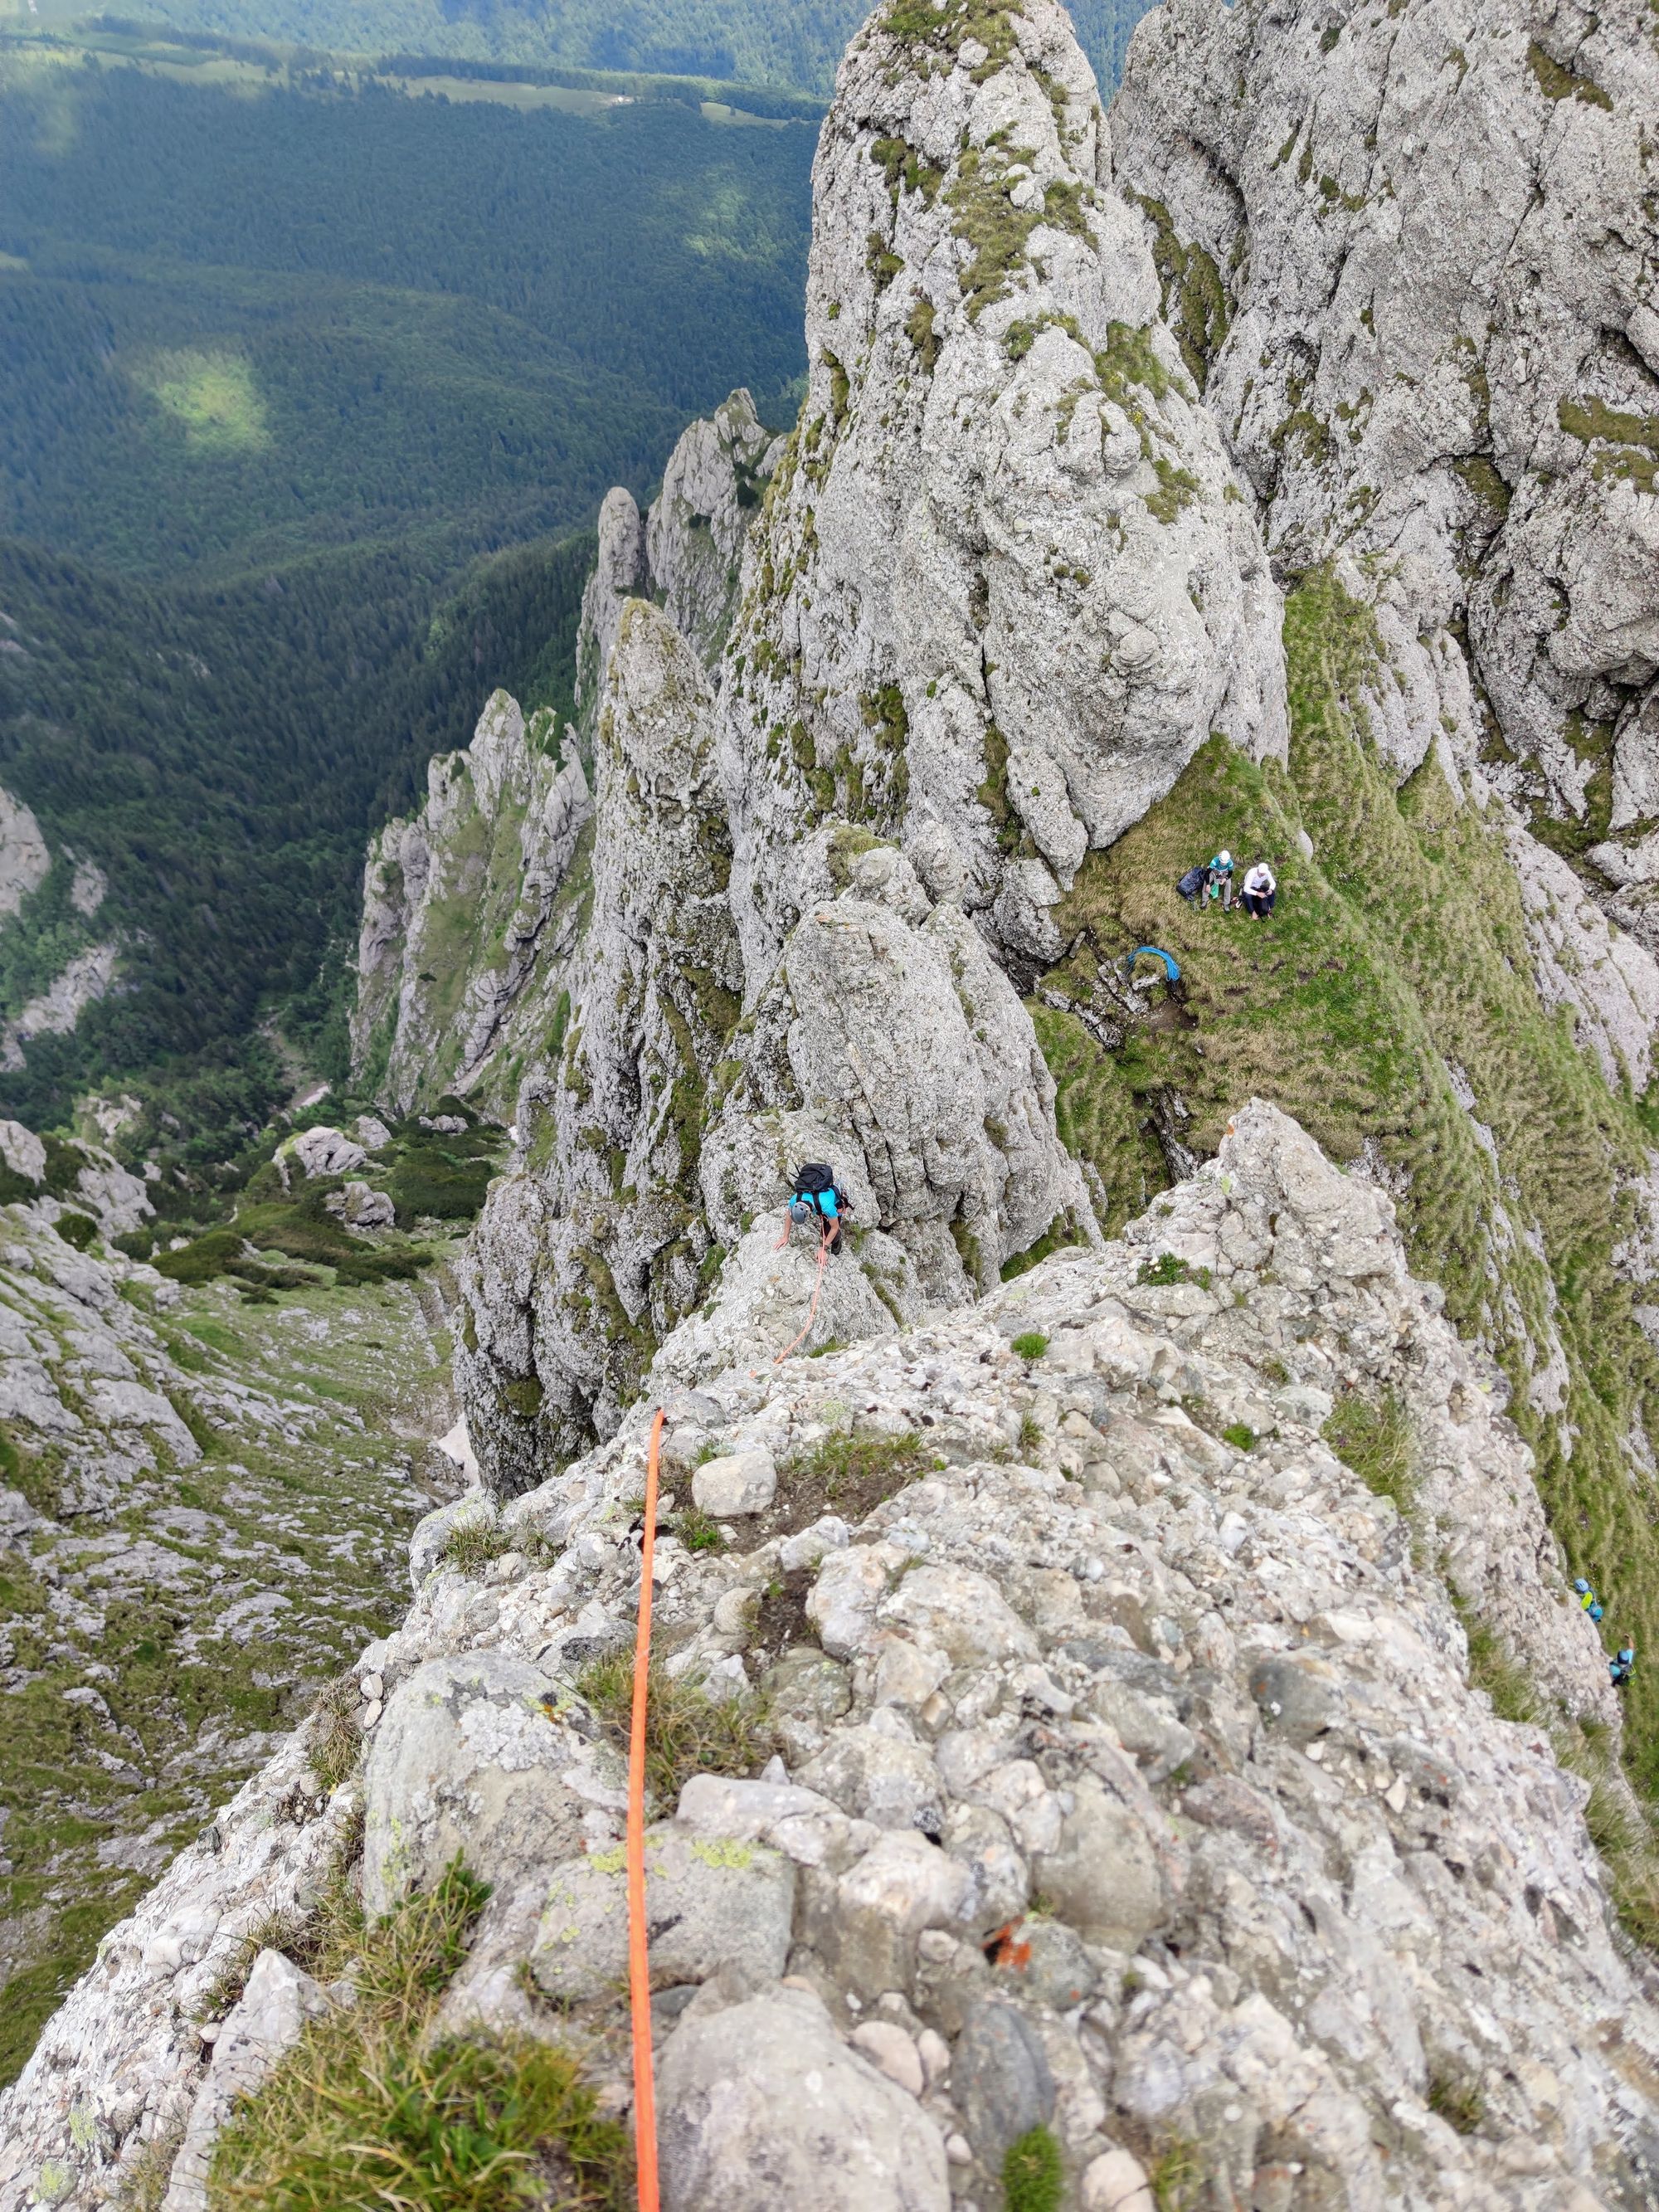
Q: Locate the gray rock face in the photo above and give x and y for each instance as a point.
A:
(471, 1755)
(25, 862)
(1264, 1949)
(1006, 585)
(82, 980)
(468, 910)
(762, 2105)
(686, 554)
(1441, 373)
(581, 1261)
(717, 1905)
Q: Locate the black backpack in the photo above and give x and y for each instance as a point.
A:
(815, 1182)
(1192, 883)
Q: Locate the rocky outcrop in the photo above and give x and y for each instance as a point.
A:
(1452, 377)
(24, 860)
(1006, 582)
(686, 553)
(1130, 1782)
(467, 911)
(595, 1246)
(85, 979)
(888, 1041)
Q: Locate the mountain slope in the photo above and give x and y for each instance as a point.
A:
(1140, 1813)
(1124, 1732)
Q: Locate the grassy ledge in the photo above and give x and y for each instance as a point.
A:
(370, 2110)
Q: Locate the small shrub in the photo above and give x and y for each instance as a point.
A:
(1033, 2173)
(368, 2109)
(76, 1228)
(1372, 1435)
(687, 1732)
(1031, 1346)
(1460, 2103)
(1169, 1269)
(1240, 1436)
(699, 1531)
(334, 1733)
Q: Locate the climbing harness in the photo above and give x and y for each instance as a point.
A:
(639, 1962)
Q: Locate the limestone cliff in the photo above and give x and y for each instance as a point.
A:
(1410, 255)
(467, 910)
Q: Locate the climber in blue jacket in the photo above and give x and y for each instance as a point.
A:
(817, 1197)
(1620, 1668)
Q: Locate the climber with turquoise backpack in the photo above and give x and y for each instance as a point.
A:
(818, 1198)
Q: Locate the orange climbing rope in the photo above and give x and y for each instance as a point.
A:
(817, 1286)
(639, 1962)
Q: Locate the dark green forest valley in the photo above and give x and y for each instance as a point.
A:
(314, 388)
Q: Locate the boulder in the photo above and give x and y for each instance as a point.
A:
(713, 1902)
(1000, 2080)
(323, 1153)
(742, 1482)
(761, 2105)
(477, 1755)
(21, 1151)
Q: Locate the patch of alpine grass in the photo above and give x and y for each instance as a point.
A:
(368, 2109)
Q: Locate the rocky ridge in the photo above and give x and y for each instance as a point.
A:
(1008, 608)
(1130, 1783)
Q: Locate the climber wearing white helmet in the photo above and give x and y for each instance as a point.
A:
(1219, 878)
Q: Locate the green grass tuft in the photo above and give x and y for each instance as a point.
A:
(699, 1531)
(367, 2111)
(1240, 1436)
(335, 1738)
(1031, 1346)
(1174, 2176)
(1169, 1269)
(1372, 1437)
(1033, 2173)
(1459, 2103)
(687, 1731)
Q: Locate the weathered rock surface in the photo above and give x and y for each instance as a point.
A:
(1005, 584)
(686, 552)
(1448, 376)
(25, 862)
(470, 1755)
(85, 979)
(467, 911)
(594, 1247)
(1357, 1898)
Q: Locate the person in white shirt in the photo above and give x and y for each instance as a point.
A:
(1261, 889)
